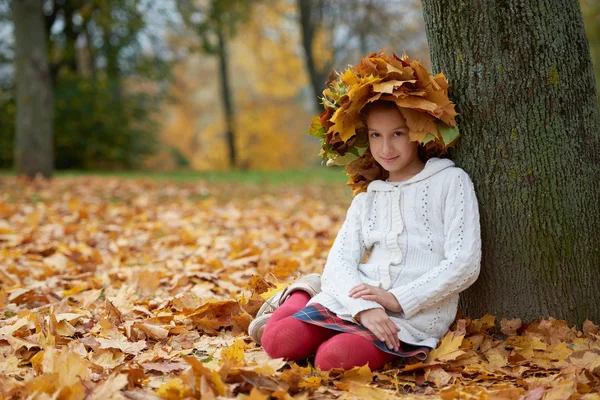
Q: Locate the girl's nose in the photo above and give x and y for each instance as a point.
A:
(387, 146)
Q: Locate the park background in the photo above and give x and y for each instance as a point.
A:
(184, 193)
(138, 85)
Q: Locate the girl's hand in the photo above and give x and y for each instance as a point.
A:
(383, 297)
(378, 322)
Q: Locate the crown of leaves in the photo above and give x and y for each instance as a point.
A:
(422, 100)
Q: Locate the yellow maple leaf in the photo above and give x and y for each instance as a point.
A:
(447, 350)
(235, 352)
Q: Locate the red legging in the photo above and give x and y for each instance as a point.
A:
(292, 339)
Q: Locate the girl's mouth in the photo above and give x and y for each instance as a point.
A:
(389, 160)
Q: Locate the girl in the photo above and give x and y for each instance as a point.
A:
(389, 122)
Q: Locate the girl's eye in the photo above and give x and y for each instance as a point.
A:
(397, 133)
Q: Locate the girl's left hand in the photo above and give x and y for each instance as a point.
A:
(383, 297)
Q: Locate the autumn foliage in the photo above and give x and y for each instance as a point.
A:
(141, 289)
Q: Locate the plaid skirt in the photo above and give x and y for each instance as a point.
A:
(317, 314)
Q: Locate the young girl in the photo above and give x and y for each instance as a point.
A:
(417, 213)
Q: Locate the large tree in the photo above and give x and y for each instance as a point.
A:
(523, 81)
(35, 99)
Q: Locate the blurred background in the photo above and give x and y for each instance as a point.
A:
(204, 85)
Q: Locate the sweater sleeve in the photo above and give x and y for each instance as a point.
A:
(341, 268)
(462, 250)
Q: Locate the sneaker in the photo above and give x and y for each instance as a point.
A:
(310, 284)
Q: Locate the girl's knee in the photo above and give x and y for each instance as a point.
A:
(286, 339)
(331, 355)
(348, 351)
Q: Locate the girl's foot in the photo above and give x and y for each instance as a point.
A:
(310, 284)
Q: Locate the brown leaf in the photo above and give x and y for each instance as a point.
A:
(165, 367)
(510, 326)
(123, 345)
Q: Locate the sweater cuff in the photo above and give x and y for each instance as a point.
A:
(408, 301)
(357, 305)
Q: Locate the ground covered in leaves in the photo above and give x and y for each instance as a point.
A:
(142, 289)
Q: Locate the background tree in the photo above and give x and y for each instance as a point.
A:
(109, 70)
(35, 101)
(215, 23)
(335, 34)
(524, 84)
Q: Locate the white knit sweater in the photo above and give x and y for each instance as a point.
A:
(425, 243)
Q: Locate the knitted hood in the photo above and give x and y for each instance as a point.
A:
(432, 167)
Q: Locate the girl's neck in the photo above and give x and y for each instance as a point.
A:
(407, 172)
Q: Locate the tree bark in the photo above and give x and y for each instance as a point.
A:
(34, 151)
(523, 82)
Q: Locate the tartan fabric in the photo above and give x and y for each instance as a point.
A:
(317, 314)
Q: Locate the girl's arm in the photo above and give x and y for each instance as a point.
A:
(340, 274)
(462, 249)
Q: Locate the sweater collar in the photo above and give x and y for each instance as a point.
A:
(432, 167)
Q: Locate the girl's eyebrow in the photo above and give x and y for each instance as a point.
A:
(399, 127)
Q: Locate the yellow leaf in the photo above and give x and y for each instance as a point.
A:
(482, 324)
(173, 390)
(285, 267)
(361, 375)
(235, 352)
(361, 391)
(447, 350)
(496, 357)
(525, 342)
(273, 291)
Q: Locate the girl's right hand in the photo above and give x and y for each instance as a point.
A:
(378, 322)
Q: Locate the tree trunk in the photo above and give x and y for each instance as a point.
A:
(113, 71)
(34, 151)
(70, 52)
(307, 11)
(523, 83)
(226, 97)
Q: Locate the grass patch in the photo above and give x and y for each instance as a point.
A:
(303, 176)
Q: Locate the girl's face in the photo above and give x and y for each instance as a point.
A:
(389, 142)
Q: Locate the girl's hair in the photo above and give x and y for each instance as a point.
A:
(364, 112)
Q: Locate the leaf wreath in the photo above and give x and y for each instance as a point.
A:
(421, 98)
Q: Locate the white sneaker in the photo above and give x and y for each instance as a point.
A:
(310, 284)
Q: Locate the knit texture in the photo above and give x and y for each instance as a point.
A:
(425, 242)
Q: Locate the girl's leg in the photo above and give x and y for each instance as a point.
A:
(347, 351)
(289, 337)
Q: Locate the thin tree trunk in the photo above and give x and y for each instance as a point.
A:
(523, 82)
(308, 28)
(70, 56)
(113, 71)
(34, 151)
(91, 52)
(226, 97)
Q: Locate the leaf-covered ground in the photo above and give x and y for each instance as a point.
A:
(143, 289)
